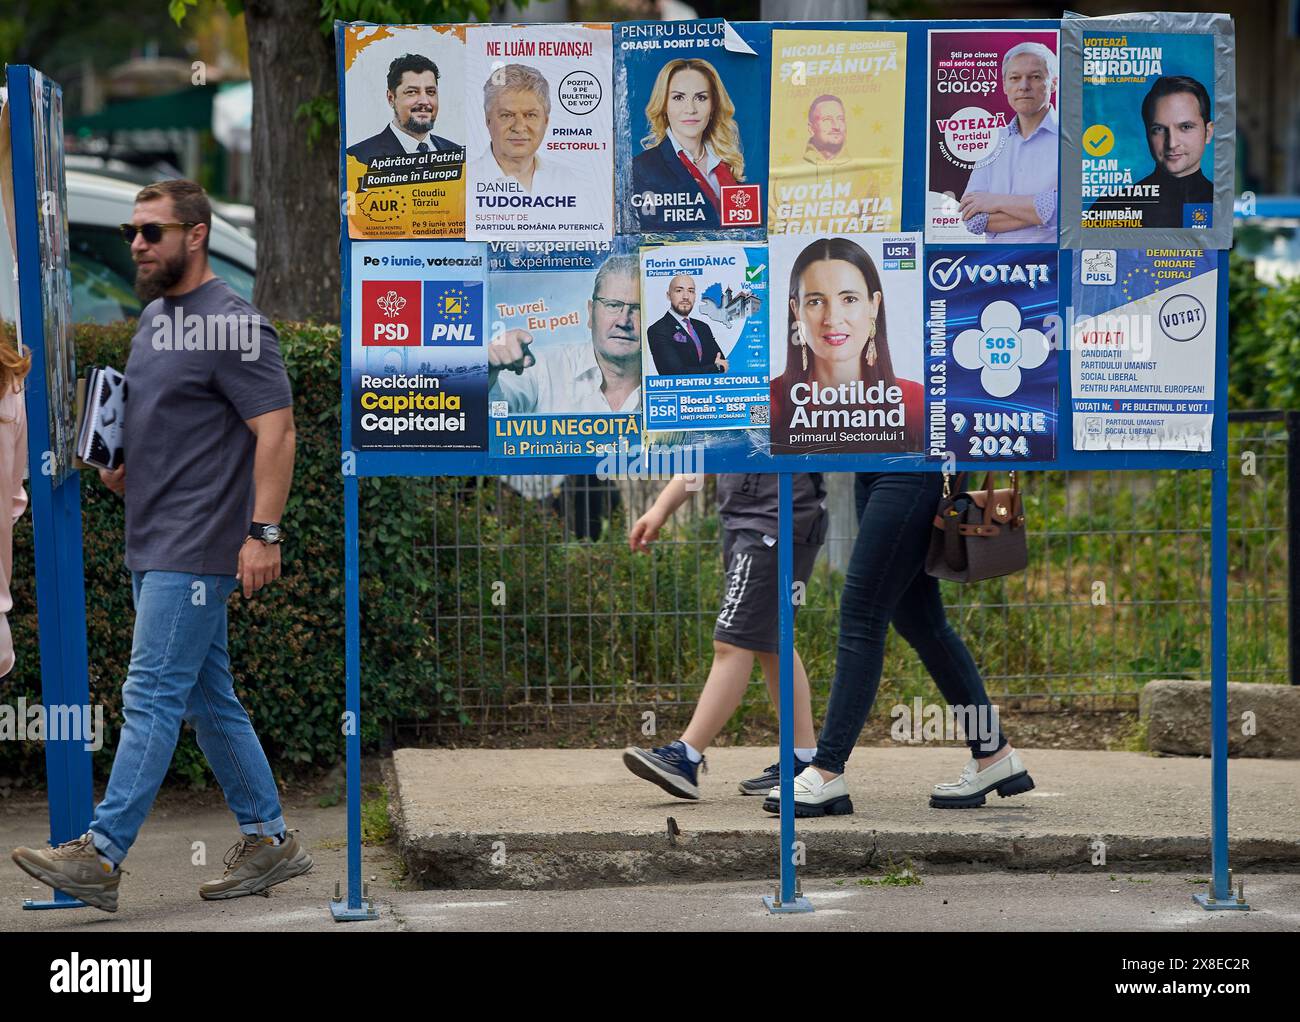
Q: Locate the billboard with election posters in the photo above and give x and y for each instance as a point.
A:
(692, 123)
(836, 160)
(539, 127)
(992, 329)
(847, 344)
(564, 362)
(404, 147)
(993, 141)
(1142, 348)
(705, 352)
(418, 346)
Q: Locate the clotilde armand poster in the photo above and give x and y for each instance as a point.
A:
(539, 123)
(1148, 130)
(992, 332)
(836, 161)
(564, 362)
(1143, 349)
(419, 374)
(993, 142)
(847, 344)
(405, 159)
(695, 121)
(705, 353)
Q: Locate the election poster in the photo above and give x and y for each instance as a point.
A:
(705, 351)
(564, 361)
(694, 114)
(1147, 131)
(539, 127)
(404, 158)
(836, 161)
(991, 370)
(846, 368)
(1143, 349)
(419, 328)
(993, 139)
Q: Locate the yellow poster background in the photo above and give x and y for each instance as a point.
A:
(859, 189)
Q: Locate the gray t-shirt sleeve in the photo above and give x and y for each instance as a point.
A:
(254, 385)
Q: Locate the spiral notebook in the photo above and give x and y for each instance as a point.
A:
(99, 435)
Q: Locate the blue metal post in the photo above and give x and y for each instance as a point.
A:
(356, 907)
(787, 901)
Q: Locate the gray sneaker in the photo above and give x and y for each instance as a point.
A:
(73, 868)
(256, 863)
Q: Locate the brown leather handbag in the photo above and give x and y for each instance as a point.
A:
(978, 534)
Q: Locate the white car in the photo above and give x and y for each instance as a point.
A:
(103, 273)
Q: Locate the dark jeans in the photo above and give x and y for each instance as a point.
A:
(886, 582)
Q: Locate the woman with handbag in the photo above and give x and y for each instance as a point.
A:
(886, 583)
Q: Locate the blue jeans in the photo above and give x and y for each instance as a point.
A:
(886, 582)
(180, 670)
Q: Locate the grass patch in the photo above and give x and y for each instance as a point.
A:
(1134, 739)
(376, 826)
(895, 875)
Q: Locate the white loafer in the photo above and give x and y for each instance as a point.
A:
(814, 796)
(1008, 775)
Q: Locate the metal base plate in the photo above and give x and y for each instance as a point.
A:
(31, 905)
(797, 905)
(342, 914)
(1224, 905)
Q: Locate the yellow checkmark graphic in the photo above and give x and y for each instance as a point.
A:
(1098, 140)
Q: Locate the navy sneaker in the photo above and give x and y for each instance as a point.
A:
(667, 766)
(764, 782)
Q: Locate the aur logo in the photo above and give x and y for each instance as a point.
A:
(390, 312)
(452, 310)
(381, 205)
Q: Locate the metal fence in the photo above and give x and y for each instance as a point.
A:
(545, 611)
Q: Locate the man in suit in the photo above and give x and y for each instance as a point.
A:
(413, 97)
(680, 345)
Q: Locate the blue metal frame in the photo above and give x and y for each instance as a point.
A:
(56, 510)
(741, 458)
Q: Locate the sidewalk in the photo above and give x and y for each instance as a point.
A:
(535, 819)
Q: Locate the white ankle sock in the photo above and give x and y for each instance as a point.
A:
(805, 756)
(691, 753)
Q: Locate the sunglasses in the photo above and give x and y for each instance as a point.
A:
(152, 232)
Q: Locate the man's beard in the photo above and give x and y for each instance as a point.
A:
(829, 148)
(166, 275)
(416, 127)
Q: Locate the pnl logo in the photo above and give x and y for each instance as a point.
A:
(390, 312)
(1197, 214)
(452, 310)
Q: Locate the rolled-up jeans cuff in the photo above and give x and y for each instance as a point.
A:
(822, 764)
(106, 847)
(276, 826)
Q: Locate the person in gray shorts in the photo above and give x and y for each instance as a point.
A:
(748, 622)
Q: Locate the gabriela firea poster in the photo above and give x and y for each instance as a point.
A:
(846, 344)
(539, 124)
(695, 117)
(836, 161)
(404, 159)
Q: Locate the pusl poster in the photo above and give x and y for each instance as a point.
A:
(993, 148)
(418, 375)
(992, 329)
(836, 160)
(1148, 130)
(1143, 349)
(846, 344)
(705, 329)
(404, 158)
(694, 112)
(539, 129)
(564, 361)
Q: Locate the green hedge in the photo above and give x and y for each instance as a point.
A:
(286, 643)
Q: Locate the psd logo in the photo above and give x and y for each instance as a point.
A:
(390, 312)
(740, 206)
(452, 310)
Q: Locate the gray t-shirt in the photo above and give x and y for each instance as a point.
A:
(748, 500)
(188, 453)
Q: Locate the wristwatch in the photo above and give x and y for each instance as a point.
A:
(267, 533)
